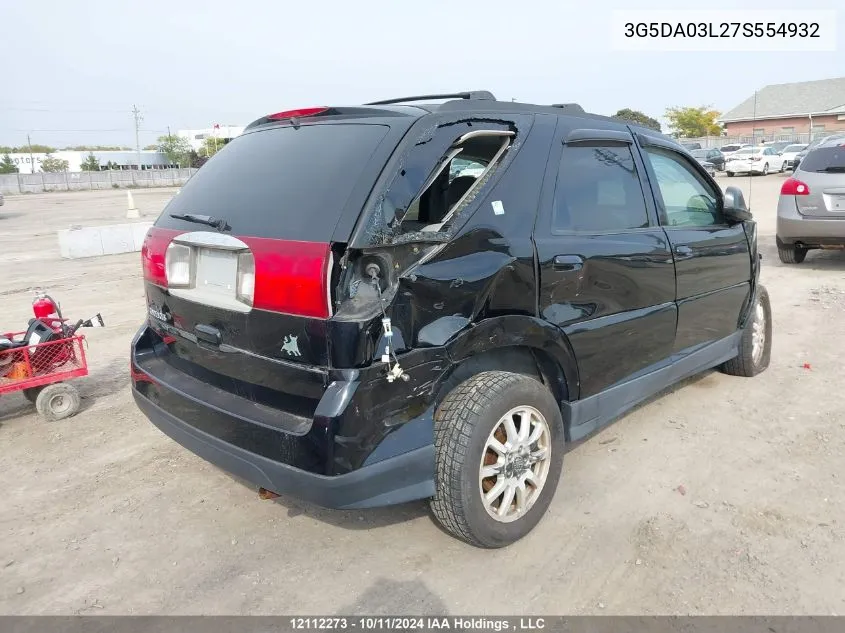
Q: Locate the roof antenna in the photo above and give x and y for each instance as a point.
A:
(754, 141)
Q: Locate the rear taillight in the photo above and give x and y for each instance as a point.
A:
(275, 275)
(179, 265)
(290, 277)
(153, 254)
(245, 284)
(794, 187)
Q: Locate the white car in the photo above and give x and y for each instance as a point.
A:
(754, 160)
(789, 154)
(727, 150)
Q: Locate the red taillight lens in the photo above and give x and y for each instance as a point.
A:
(153, 254)
(293, 114)
(291, 277)
(794, 187)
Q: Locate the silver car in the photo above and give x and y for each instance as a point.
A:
(811, 209)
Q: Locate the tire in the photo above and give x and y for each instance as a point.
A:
(784, 167)
(755, 347)
(791, 254)
(58, 401)
(464, 426)
(766, 169)
(31, 394)
(730, 174)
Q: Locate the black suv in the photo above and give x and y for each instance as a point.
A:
(368, 305)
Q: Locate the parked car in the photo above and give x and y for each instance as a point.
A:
(753, 160)
(710, 168)
(404, 334)
(727, 150)
(691, 146)
(814, 144)
(811, 208)
(1, 198)
(712, 156)
(789, 153)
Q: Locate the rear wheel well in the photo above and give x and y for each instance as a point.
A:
(528, 361)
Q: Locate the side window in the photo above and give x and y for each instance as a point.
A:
(687, 199)
(598, 189)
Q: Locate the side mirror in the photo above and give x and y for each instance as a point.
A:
(735, 209)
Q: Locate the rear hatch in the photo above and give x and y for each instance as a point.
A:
(822, 172)
(238, 268)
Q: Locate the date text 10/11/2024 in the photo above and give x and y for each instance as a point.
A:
(405, 623)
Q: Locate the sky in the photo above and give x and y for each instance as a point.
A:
(71, 72)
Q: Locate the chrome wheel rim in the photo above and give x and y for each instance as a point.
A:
(515, 464)
(59, 404)
(758, 333)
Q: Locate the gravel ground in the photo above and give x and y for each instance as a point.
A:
(722, 496)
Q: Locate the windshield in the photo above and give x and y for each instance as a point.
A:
(283, 183)
(699, 153)
(746, 152)
(730, 148)
(794, 148)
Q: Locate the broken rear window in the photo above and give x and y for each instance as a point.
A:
(438, 178)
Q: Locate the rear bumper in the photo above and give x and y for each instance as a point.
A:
(406, 477)
(368, 443)
(792, 227)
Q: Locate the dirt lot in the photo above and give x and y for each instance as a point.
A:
(104, 514)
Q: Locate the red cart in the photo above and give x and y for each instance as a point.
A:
(38, 363)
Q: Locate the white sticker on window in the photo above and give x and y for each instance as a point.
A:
(498, 207)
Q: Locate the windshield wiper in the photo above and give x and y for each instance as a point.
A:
(833, 168)
(218, 223)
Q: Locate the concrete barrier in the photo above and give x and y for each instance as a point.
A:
(93, 241)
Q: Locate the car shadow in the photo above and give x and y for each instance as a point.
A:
(830, 259)
(9, 216)
(393, 597)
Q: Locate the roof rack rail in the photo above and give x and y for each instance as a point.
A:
(476, 94)
(574, 107)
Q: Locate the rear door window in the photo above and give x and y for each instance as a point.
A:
(284, 182)
(598, 189)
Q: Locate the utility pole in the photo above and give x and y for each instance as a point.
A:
(136, 113)
(31, 159)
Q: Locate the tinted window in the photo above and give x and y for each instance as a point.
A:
(598, 189)
(687, 199)
(829, 159)
(281, 183)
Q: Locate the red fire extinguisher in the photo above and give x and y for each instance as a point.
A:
(47, 310)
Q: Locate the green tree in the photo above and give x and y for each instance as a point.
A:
(635, 116)
(212, 145)
(90, 163)
(51, 164)
(176, 148)
(25, 149)
(7, 165)
(693, 122)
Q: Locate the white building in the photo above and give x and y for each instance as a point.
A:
(223, 133)
(126, 159)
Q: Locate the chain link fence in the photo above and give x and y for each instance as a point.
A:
(91, 180)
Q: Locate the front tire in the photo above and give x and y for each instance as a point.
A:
(730, 174)
(755, 347)
(766, 169)
(791, 254)
(785, 166)
(498, 439)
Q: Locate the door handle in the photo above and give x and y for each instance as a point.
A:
(568, 263)
(683, 251)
